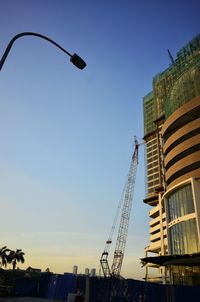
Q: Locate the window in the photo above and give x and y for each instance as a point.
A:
(179, 203)
(183, 238)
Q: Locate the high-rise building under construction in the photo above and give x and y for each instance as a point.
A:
(172, 136)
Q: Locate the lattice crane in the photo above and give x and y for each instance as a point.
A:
(126, 204)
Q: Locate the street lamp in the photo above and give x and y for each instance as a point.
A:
(75, 59)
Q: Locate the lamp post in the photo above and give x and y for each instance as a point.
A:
(75, 59)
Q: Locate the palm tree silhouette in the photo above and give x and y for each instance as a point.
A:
(16, 256)
(4, 256)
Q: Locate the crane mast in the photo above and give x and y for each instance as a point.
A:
(127, 199)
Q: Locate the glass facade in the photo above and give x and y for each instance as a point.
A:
(186, 275)
(180, 203)
(183, 237)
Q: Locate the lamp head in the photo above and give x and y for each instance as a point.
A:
(77, 61)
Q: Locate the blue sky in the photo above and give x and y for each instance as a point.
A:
(67, 135)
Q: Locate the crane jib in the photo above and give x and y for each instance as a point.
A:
(124, 222)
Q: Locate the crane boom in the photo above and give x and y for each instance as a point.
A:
(124, 223)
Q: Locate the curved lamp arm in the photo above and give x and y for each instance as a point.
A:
(75, 59)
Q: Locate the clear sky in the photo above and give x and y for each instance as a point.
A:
(67, 135)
